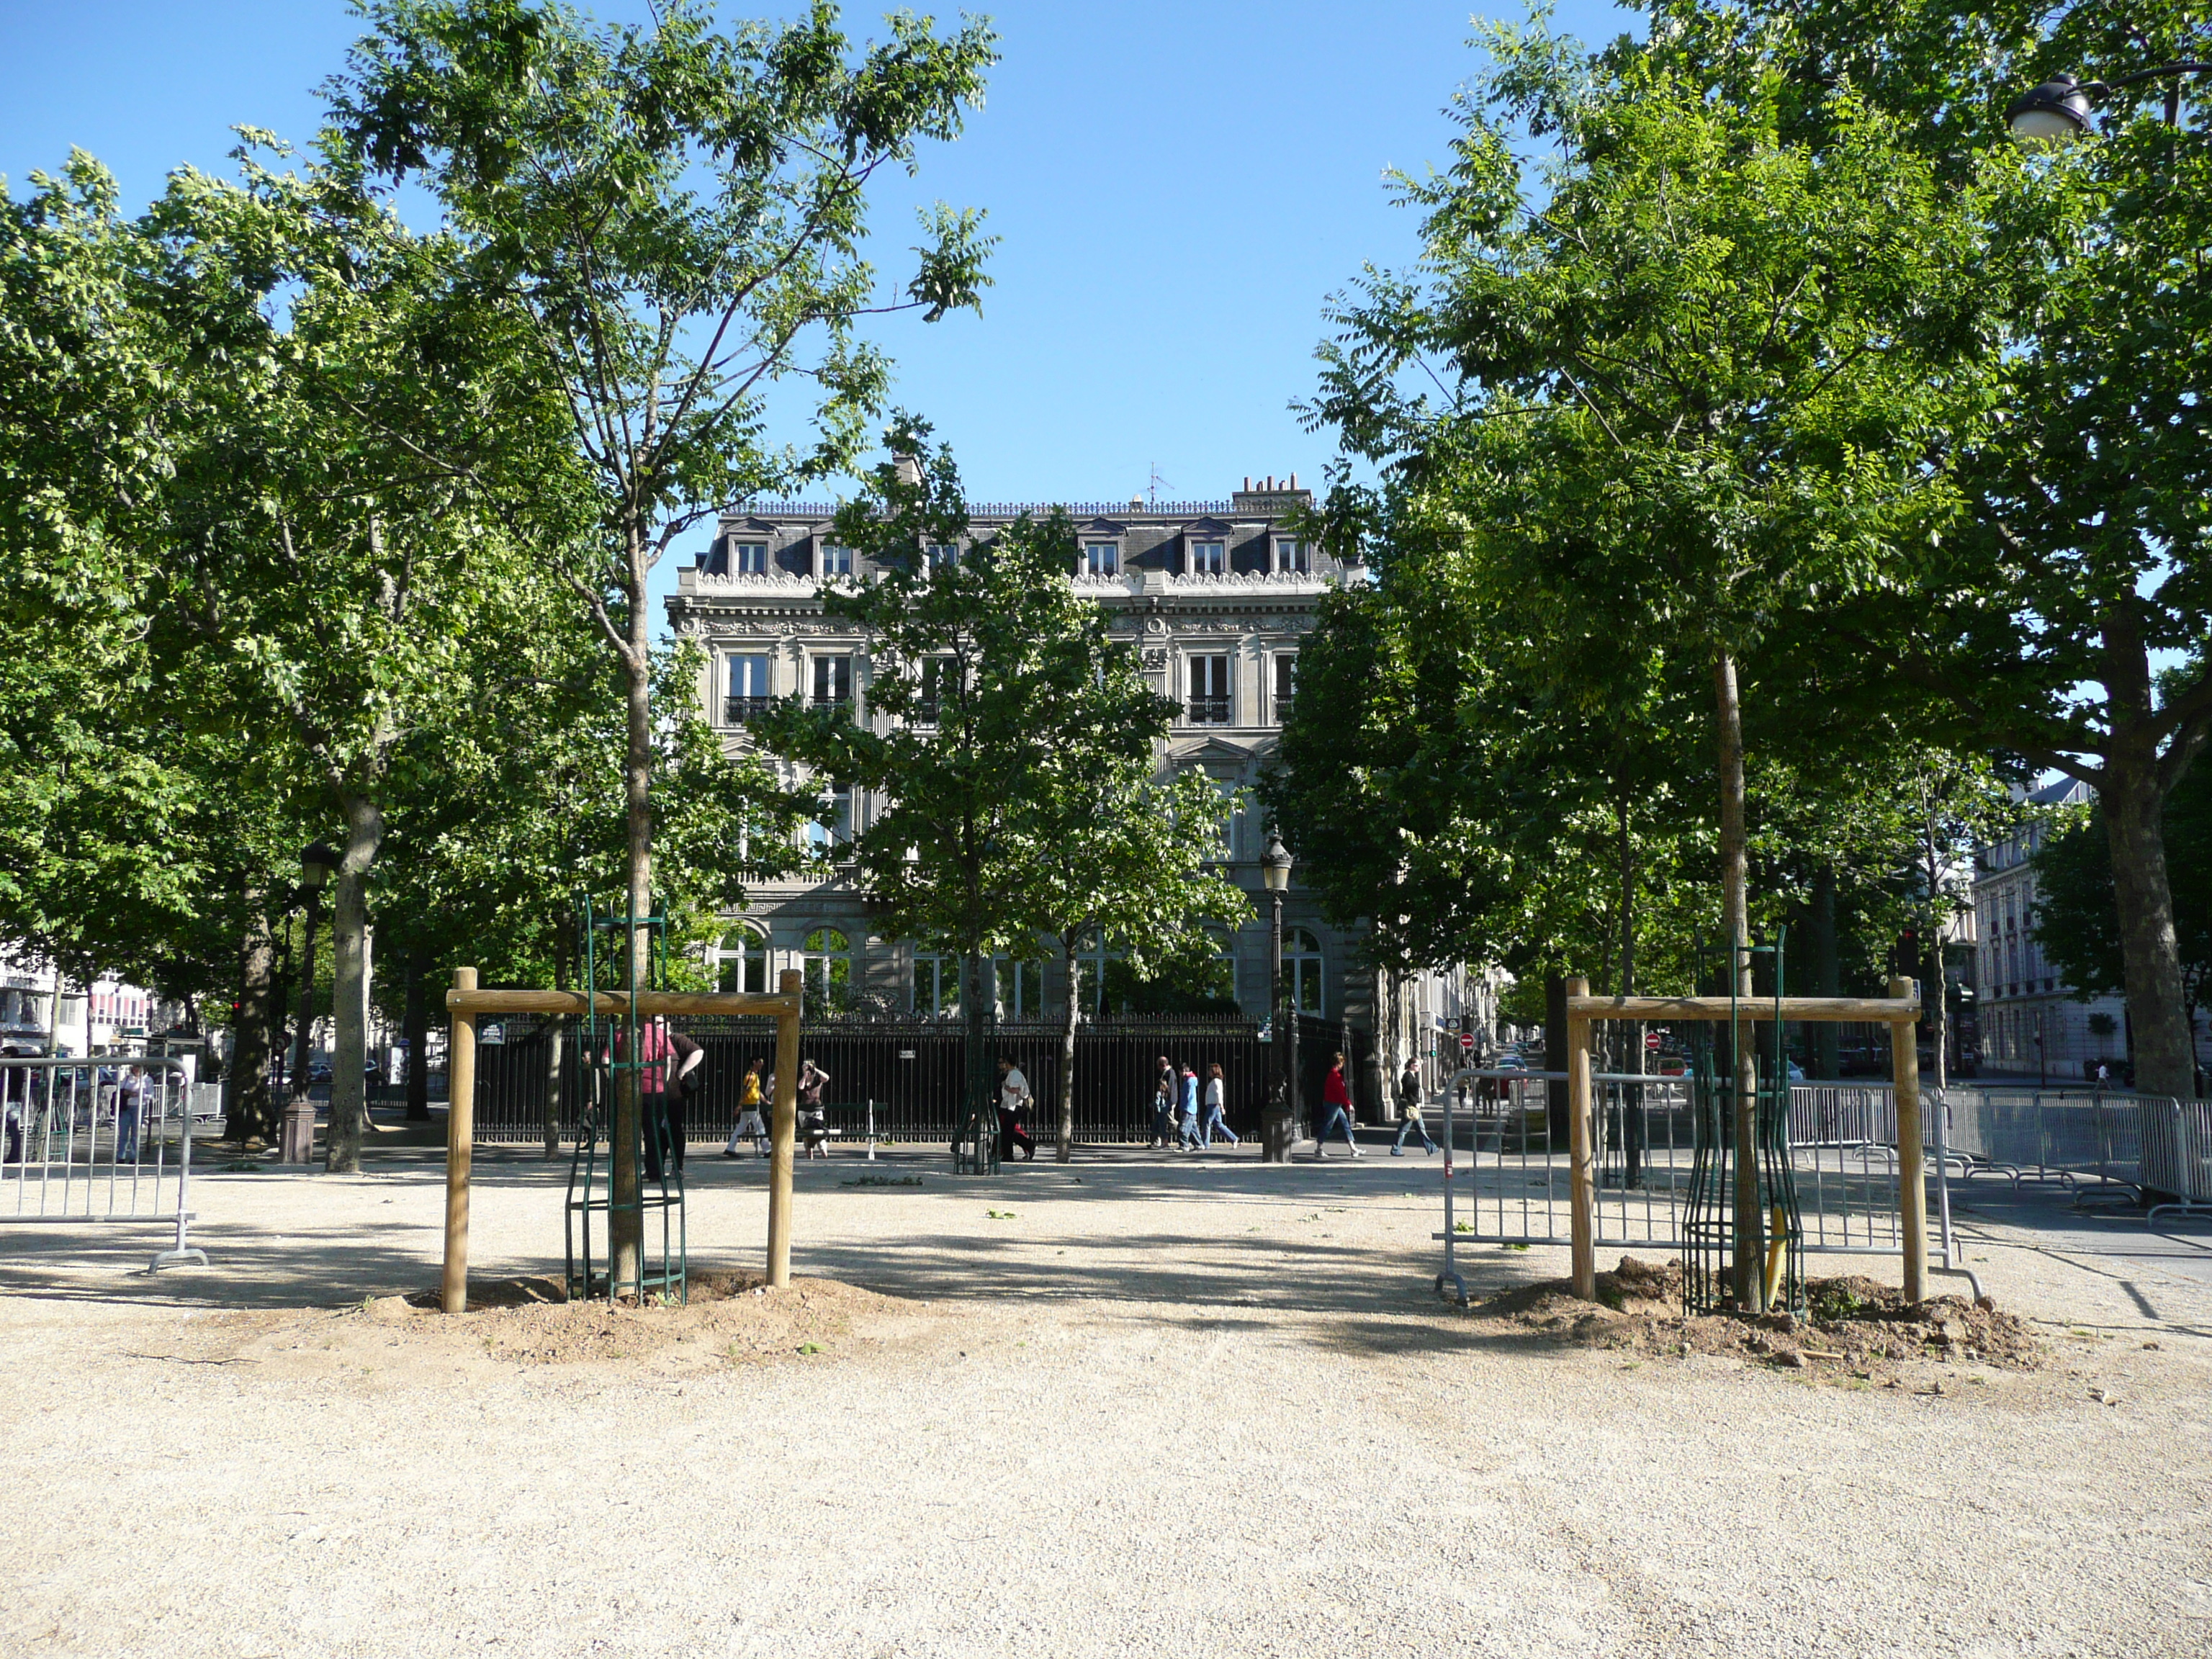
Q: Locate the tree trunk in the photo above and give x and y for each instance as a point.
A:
(364, 834)
(556, 1038)
(1555, 1059)
(246, 1087)
(2150, 954)
(977, 1106)
(1074, 1011)
(625, 1221)
(1735, 925)
(416, 1020)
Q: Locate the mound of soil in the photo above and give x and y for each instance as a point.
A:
(1853, 1327)
(531, 1322)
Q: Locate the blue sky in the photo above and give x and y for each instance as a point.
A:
(1178, 187)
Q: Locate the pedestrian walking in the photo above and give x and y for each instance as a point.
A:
(813, 1116)
(1014, 1096)
(1217, 1101)
(1409, 1109)
(1164, 1093)
(1188, 1140)
(1336, 1112)
(130, 1108)
(752, 1125)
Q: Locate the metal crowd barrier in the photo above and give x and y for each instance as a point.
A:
(2132, 1149)
(73, 1149)
(1517, 1186)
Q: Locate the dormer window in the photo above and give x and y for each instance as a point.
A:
(943, 555)
(1102, 558)
(748, 558)
(837, 561)
(1206, 558)
(1290, 557)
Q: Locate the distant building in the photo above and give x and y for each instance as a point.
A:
(2032, 1025)
(110, 1016)
(1216, 597)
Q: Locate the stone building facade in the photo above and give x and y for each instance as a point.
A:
(2033, 1026)
(1215, 596)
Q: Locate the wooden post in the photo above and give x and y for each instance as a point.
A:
(1582, 1184)
(781, 1131)
(460, 1141)
(1911, 1161)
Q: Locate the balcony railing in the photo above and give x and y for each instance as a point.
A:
(1209, 711)
(736, 711)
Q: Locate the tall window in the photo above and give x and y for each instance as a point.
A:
(1286, 684)
(936, 984)
(1290, 556)
(936, 680)
(1020, 987)
(748, 558)
(1095, 956)
(1102, 558)
(742, 964)
(1209, 690)
(749, 693)
(833, 680)
(837, 561)
(831, 829)
(1302, 970)
(943, 555)
(1206, 558)
(826, 962)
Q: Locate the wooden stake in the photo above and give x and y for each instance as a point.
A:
(1911, 1162)
(1581, 1182)
(782, 1130)
(460, 1142)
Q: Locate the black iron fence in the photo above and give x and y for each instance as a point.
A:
(910, 1074)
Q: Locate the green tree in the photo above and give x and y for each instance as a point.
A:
(2080, 559)
(676, 216)
(1685, 395)
(1013, 745)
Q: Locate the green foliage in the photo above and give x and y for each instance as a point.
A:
(1011, 739)
(674, 217)
(1664, 415)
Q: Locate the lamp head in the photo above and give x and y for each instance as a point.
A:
(1276, 864)
(2055, 112)
(317, 861)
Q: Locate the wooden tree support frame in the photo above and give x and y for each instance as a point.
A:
(1899, 1010)
(464, 1002)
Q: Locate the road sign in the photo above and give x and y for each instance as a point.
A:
(1651, 1039)
(1467, 1042)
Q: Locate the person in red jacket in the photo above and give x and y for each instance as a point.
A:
(1336, 1112)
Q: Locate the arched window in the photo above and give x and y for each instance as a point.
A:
(936, 984)
(827, 963)
(1301, 966)
(741, 962)
(1021, 988)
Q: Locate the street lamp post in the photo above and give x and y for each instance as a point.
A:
(296, 1144)
(1282, 1097)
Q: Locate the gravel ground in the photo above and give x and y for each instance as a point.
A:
(1150, 1408)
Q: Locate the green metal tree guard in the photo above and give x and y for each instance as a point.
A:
(1709, 1229)
(590, 1189)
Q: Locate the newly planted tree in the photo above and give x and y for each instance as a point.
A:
(676, 214)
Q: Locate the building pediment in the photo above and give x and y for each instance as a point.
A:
(1103, 527)
(1208, 529)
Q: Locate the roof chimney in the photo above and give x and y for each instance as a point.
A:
(1294, 481)
(1248, 484)
(909, 468)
